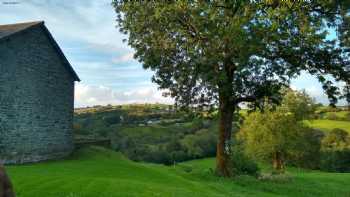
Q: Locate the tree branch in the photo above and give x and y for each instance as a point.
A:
(192, 30)
(245, 99)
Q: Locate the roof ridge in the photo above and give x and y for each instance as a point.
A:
(18, 28)
(23, 23)
(9, 29)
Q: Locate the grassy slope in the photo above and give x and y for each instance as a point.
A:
(99, 172)
(341, 114)
(328, 125)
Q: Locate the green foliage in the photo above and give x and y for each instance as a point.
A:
(166, 144)
(149, 132)
(78, 129)
(241, 164)
(236, 50)
(209, 53)
(332, 116)
(336, 151)
(273, 132)
(310, 144)
(337, 139)
(330, 113)
(300, 104)
(335, 161)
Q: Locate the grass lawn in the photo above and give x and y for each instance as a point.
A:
(99, 172)
(328, 125)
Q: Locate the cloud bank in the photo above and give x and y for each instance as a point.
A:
(100, 95)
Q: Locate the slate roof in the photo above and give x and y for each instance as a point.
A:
(9, 30)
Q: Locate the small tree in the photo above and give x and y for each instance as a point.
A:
(272, 135)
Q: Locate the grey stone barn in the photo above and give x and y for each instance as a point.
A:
(36, 95)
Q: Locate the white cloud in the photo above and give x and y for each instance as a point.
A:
(312, 91)
(124, 58)
(90, 22)
(88, 95)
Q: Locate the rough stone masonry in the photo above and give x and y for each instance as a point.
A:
(36, 95)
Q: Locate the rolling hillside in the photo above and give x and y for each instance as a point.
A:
(328, 125)
(99, 172)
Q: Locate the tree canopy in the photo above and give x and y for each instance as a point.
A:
(262, 45)
(227, 52)
(299, 104)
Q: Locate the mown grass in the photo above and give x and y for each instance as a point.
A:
(328, 125)
(98, 172)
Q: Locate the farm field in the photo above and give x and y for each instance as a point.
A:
(328, 125)
(96, 171)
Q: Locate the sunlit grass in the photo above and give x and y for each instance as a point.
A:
(328, 125)
(99, 172)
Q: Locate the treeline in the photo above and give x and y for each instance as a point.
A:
(100, 120)
(149, 133)
(167, 144)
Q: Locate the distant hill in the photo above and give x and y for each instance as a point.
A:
(151, 133)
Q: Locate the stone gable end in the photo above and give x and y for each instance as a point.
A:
(36, 99)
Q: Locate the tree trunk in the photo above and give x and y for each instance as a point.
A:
(278, 161)
(226, 109)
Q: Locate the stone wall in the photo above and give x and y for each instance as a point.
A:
(36, 99)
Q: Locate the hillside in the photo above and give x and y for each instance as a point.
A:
(159, 134)
(99, 172)
(328, 125)
(149, 132)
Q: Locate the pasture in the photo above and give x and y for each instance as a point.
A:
(96, 171)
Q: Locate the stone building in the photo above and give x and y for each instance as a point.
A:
(36, 95)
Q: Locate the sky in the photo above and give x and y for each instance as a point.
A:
(87, 34)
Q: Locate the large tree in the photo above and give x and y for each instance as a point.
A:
(224, 53)
(344, 38)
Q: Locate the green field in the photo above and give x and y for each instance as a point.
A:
(328, 125)
(99, 172)
(341, 114)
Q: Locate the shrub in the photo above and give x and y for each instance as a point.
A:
(78, 129)
(332, 116)
(241, 164)
(308, 155)
(335, 161)
(335, 151)
(186, 168)
(337, 139)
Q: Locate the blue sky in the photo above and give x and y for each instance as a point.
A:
(86, 32)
